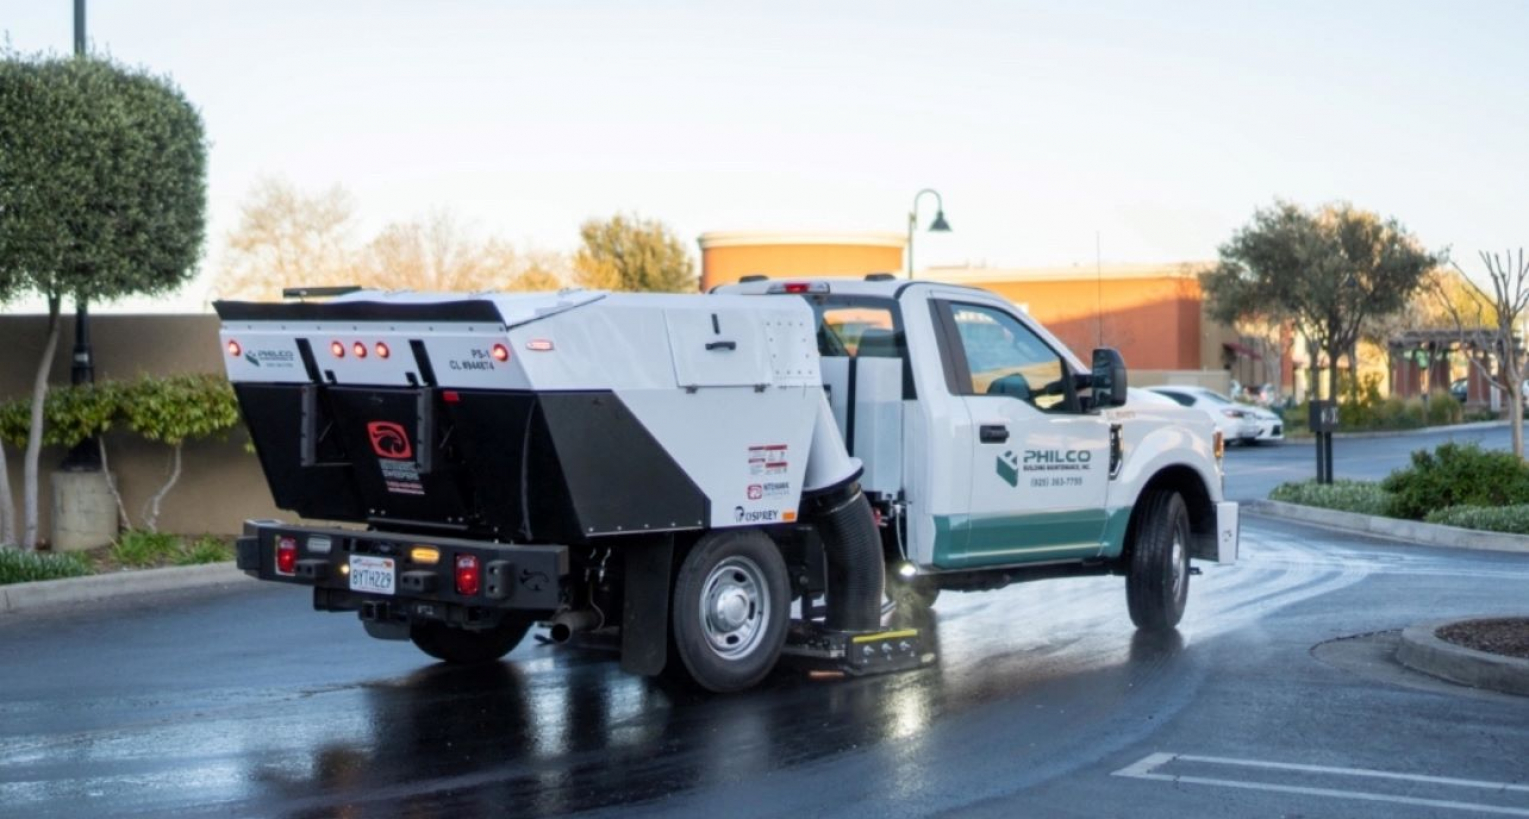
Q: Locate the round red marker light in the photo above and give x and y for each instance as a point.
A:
(359, 349)
(337, 349)
(383, 351)
(234, 349)
(501, 352)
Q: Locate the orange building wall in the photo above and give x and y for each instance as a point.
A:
(725, 265)
(1154, 322)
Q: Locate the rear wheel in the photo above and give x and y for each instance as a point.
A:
(731, 609)
(1157, 582)
(463, 647)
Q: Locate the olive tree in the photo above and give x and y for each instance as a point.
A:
(102, 195)
(1330, 272)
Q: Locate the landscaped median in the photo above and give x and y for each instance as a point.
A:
(1458, 495)
(139, 563)
(1490, 653)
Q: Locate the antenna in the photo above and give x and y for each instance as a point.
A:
(1098, 291)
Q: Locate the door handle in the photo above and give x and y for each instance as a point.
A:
(993, 433)
(721, 345)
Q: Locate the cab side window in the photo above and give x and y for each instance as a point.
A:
(1004, 357)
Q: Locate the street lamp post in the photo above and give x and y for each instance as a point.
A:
(85, 456)
(939, 225)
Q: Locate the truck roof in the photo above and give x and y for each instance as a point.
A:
(883, 285)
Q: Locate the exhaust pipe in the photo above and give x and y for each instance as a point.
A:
(569, 622)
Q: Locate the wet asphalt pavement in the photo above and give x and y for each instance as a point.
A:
(1043, 702)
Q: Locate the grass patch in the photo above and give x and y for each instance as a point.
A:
(1510, 519)
(17, 566)
(148, 550)
(141, 550)
(206, 549)
(1364, 497)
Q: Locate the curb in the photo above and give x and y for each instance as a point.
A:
(22, 597)
(1401, 433)
(1421, 650)
(1412, 531)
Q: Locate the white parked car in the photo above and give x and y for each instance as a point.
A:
(1242, 423)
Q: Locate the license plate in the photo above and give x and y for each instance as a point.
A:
(371, 574)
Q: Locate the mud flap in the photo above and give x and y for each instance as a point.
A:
(645, 606)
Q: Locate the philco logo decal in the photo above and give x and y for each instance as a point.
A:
(389, 440)
(280, 359)
(1043, 460)
(1008, 468)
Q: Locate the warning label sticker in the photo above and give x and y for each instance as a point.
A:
(769, 459)
(401, 477)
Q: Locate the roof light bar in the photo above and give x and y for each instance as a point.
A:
(808, 288)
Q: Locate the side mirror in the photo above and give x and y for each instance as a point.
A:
(1108, 378)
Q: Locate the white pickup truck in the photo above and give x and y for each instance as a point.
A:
(712, 482)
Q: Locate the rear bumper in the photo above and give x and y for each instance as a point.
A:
(520, 578)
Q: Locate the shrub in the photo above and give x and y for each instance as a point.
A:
(1364, 497)
(1512, 519)
(140, 549)
(1443, 409)
(1456, 475)
(17, 566)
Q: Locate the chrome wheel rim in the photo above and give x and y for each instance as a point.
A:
(735, 607)
(1180, 572)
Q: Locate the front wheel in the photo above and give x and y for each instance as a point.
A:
(1157, 581)
(463, 647)
(731, 609)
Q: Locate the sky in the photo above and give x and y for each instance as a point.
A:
(1154, 128)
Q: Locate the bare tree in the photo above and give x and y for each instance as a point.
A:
(287, 237)
(438, 252)
(1489, 320)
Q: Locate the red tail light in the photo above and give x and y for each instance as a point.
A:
(337, 348)
(468, 576)
(383, 351)
(286, 555)
(359, 349)
(234, 349)
(501, 352)
(796, 287)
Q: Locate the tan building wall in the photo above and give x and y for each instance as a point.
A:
(221, 484)
(727, 256)
(1151, 313)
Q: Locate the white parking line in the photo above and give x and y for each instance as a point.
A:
(1144, 769)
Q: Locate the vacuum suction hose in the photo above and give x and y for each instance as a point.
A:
(855, 564)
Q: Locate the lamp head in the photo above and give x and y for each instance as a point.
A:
(939, 225)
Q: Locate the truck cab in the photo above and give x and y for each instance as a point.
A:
(989, 448)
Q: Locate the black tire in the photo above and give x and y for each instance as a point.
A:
(918, 594)
(462, 647)
(1157, 582)
(731, 610)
